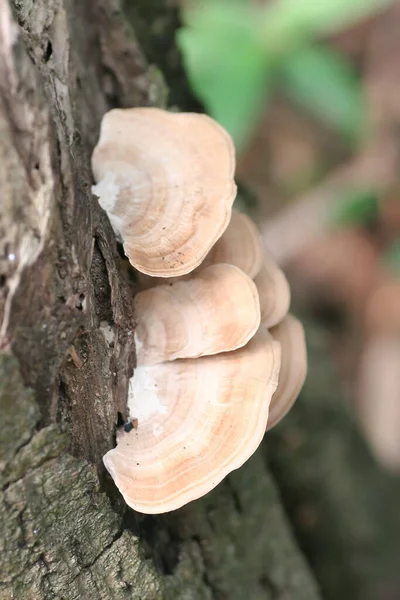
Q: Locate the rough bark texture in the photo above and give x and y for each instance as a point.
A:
(67, 347)
(62, 539)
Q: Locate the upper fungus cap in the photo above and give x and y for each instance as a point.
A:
(240, 245)
(198, 419)
(166, 182)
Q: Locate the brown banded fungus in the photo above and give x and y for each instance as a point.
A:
(240, 245)
(274, 292)
(207, 383)
(198, 419)
(166, 182)
(217, 310)
(290, 334)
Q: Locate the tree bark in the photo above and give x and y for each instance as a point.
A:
(67, 348)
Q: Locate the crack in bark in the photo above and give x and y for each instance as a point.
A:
(18, 449)
(90, 565)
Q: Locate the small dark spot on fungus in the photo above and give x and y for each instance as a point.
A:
(131, 425)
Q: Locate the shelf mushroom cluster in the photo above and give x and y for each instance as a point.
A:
(219, 359)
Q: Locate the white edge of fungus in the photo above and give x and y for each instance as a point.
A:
(138, 347)
(107, 191)
(143, 395)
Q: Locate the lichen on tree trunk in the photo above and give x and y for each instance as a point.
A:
(67, 348)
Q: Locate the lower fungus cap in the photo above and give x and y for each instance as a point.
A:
(198, 420)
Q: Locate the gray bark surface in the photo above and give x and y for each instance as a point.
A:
(65, 532)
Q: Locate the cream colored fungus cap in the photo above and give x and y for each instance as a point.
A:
(197, 420)
(166, 182)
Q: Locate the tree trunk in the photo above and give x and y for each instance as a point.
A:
(67, 347)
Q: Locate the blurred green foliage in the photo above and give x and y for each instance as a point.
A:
(325, 83)
(225, 63)
(392, 257)
(356, 207)
(234, 53)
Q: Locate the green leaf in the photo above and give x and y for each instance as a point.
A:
(392, 256)
(356, 206)
(226, 64)
(298, 21)
(323, 82)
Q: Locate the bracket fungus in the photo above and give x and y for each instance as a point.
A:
(166, 182)
(192, 318)
(240, 245)
(198, 420)
(208, 381)
(274, 292)
(290, 334)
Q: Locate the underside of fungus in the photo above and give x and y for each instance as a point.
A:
(290, 334)
(217, 310)
(198, 419)
(274, 291)
(166, 182)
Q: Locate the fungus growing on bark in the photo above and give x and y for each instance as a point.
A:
(290, 334)
(240, 245)
(198, 419)
(200, 396)
(166, 182)
(217, 310)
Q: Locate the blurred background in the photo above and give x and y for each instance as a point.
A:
(310, 92)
